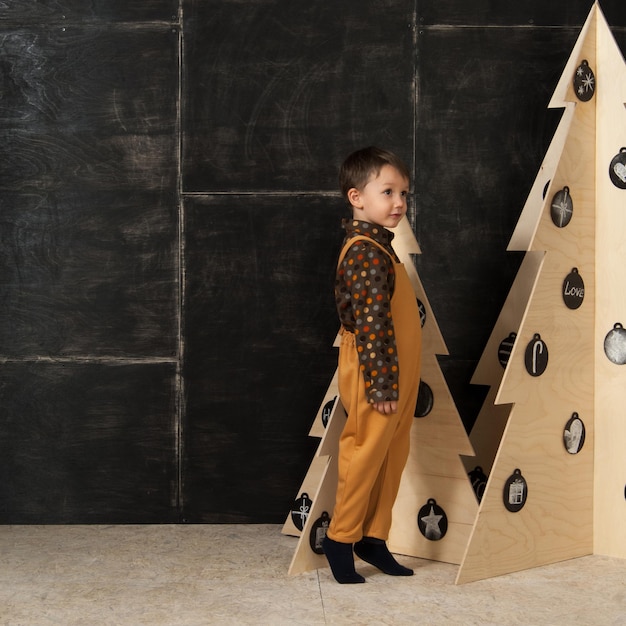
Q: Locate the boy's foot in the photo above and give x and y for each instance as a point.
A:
(375, 552)
(341, 561)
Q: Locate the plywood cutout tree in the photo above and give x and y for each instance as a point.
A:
(561, 452)
(434, 480)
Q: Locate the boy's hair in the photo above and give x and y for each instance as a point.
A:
(360, 165)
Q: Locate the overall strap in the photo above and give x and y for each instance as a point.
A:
(356, 238)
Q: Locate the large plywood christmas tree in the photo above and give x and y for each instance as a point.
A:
(556, 486)
(436, 506)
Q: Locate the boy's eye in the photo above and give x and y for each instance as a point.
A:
(387, 191)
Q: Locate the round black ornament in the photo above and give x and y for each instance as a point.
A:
(584, 82)
(615, 345)
(478, 479)
(300, 511)
(425, 400)
(562, 208)
(318, 532)
(432, 521)
(573, 289)
(422, 310)
(574, 434)
(617, 169)
(536, 356)
(327, 411)
(515, 492)
(505, 349)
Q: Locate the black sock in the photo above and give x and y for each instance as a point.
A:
(375, 552)
(341, 561)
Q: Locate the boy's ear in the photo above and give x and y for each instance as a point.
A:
(354, 197)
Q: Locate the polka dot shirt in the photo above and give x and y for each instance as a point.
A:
(363, 289)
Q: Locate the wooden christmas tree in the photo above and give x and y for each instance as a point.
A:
(436, 507)
(556, 487)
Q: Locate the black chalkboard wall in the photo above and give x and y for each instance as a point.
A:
(169, 225)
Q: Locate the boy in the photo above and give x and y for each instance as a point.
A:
(379, 365)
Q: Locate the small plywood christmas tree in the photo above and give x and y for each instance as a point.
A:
(556, 487)
(436, 506)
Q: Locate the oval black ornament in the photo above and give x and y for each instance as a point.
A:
(615, 345)
(432, 521)
(327, 411)
(574, 434)
(505, 349)
(584, 82)
(478, 479)
(536, 356)
(562, 208)
(422, 310)
(617, 169)
(425, 400)
(573, 289)
(318, 532)
(515, 492)
(300, 511)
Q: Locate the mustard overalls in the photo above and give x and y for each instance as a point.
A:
(373, 448)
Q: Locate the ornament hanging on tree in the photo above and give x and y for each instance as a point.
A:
(562, 208)
(584, 82)
(617, 169)
(574, 434)
(505, 348)
(318, 532)
(300, 511)
(536, 356)
(573, 289)
(515, 492)
(422, 311)
(327, 411)
(479, 481)
(425, 400)
(615, 345)
(432, 521)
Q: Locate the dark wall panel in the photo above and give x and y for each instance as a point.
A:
(279, 92)
(68, 11)
(89, 271)
(87, 443)
(527, 13)
(259, 328)
(88, 171)
(88, 274)
(89, 108)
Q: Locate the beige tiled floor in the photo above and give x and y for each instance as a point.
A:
(223, 575)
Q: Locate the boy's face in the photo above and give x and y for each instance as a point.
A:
(383, 199)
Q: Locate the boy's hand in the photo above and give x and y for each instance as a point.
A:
(386, 408)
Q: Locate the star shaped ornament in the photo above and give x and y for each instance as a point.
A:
(432, 521)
